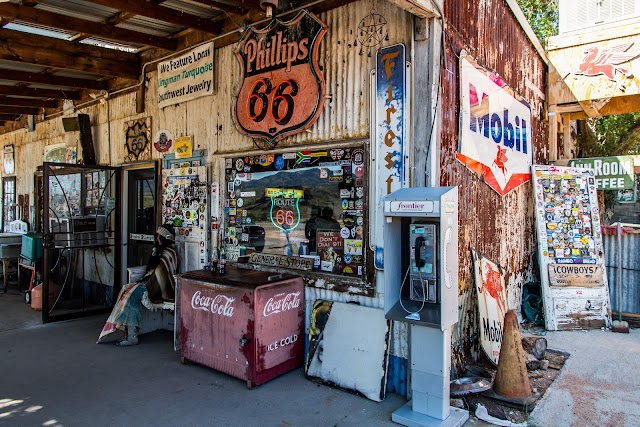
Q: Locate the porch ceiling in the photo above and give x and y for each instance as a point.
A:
(52, 50)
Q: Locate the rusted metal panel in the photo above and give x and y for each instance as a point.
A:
(629, 259)
(502, 228)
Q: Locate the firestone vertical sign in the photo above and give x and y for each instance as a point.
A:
(282, 90)
(390, 135)
(495, 129)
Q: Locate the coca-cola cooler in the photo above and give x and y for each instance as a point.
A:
(247, 323)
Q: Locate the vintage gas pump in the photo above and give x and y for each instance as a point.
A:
(421, 288)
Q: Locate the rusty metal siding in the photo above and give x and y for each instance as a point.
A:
(502, 228)
(630, 269)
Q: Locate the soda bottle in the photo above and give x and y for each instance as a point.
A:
(222, 264)
(214, 260)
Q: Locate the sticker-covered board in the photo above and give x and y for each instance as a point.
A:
(570, 249)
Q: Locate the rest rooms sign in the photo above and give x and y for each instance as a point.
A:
(612, 173)
(495, 129)
(187, 77)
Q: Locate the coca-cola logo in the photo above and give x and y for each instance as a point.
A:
(220, 305)
(281, 302)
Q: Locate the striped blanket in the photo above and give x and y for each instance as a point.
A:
(156, 285)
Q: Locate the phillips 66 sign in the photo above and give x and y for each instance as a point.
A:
(282, 89)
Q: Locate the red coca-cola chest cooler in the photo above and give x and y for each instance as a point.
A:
(248, 324)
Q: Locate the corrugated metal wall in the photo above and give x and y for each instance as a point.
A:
(502, 228)
(630, 269)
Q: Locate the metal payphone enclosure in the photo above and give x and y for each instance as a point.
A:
(413, 214)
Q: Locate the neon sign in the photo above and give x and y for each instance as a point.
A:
(285, 204)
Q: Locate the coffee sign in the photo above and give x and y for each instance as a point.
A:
(282, 89)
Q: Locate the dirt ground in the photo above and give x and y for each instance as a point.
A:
(540, 380)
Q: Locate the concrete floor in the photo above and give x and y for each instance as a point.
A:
(55, 375)
(599, 385)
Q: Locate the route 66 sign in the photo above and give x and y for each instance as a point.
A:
(285, 210)
(282, 90)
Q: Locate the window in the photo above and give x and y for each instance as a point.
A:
(8, 202)
(307, 203)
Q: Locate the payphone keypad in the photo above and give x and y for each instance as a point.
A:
(422, 269)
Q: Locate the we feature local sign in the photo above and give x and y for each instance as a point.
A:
(612, 173)
(495, 129)
(187, 77)
(390, 134)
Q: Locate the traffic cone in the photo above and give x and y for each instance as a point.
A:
(512, 379)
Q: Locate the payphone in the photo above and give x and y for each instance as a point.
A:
(421, 288)
(422, 269)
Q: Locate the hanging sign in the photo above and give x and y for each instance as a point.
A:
(612, 173)
(184, 147)
(492, 304)
(8, 160)
(390, 134)
(281, 90)
(187, 77)
(495, 129)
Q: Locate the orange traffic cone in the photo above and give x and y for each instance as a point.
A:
(512, 379)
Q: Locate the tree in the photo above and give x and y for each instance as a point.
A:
(542, 16)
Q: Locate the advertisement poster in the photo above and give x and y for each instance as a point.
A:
(330, 247)
(187, 77)
(492, 304)
(183, 147)
(495, 129)
(570, 248)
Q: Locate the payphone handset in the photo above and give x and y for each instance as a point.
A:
(422, 266)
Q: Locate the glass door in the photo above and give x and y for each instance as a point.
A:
(82, 248)
(141, 215)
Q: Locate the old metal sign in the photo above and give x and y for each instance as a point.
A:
(612, 173)
(282, 90)
(391, 117)
(296, 263)
(495, 129)
(492, 304)
(586, 276)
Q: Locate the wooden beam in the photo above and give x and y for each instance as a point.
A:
(39, 93)
(222, 6)
(47, 51)
(162, 13)
(41, 17)
(28, 102)
(9, 117)
(18, 110)
(48, 79)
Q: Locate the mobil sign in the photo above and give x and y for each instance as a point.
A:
(495, 129)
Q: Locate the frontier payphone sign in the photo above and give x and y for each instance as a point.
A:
(495, 129)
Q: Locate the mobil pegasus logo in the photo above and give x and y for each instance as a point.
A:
(495, 130)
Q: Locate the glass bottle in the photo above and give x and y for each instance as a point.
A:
(222, 264)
